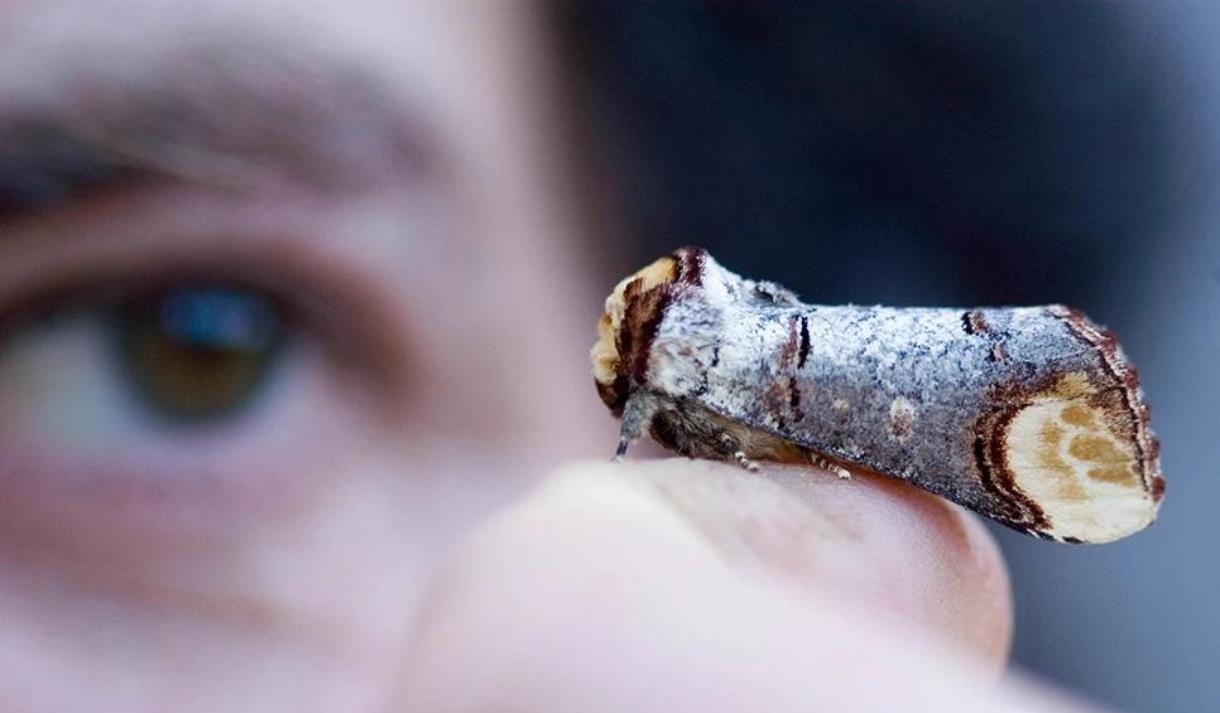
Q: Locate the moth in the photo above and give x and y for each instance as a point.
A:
(1031, 416)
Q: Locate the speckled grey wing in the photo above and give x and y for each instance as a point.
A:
(1031, 416)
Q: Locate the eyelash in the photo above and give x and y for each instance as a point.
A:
(314, 294)
(94, 289)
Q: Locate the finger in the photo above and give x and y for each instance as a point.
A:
(878, 543)
(610, 589)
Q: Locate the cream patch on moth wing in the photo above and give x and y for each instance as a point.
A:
(1070, 451)
(902, 419)
(605, 354)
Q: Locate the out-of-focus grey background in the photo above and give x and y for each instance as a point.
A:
(965, 153)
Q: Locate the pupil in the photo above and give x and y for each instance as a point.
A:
(198, 354)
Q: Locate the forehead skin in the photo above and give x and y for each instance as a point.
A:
(228, 93)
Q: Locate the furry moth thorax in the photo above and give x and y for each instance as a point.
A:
(1032, 416)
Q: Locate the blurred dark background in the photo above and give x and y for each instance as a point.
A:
(964, 154)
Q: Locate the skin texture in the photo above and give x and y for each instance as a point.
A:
(682, 585)
(388, 530)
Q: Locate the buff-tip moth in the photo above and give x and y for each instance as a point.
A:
(1031, 416)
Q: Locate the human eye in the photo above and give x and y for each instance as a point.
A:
(134, 367)
(167, 360)
(183, 388)
(128, 387)
(194, 354)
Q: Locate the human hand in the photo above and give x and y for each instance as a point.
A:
(687, 585)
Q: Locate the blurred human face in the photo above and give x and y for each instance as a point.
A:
(288, 299)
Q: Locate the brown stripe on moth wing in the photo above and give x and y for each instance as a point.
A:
(991, 459)
(1157, 491)
(982, 460)
(1014, 396)
(1105, 343)
(615, 394)
(790, 353)
(624, 341)
(641, 319)
(690, 264)
(1044, 535)
(1050, 537)
(775, 402)
(617, 329)
(974, 322)
(803, 353)
(782, 399)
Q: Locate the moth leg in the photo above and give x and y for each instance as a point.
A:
(824, 463)
(739, 455)
(638, 412)
(745, 462)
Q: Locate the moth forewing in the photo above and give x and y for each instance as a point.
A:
(1031, 416)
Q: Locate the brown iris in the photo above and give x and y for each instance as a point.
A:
(198, 354)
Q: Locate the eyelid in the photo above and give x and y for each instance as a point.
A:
(352, 326)
(319, 294)
(351, 268)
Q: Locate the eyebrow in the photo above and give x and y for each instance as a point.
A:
(231, 113)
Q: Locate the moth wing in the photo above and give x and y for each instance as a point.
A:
(1051, 438)
(1056, 466)
(1082, 463)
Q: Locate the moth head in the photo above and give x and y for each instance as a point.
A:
(630, 319)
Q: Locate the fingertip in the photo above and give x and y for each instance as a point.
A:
(600, 543)
(949, 554)
(644, 587)
(537, 596)
(875, 542)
